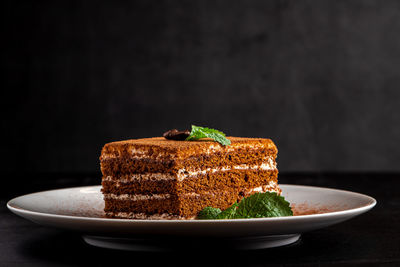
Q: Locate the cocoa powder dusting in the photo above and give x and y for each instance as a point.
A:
(307, 209)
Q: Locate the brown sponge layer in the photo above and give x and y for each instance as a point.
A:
(235, 179)
(120, 166)
(218, 180)
(156, 146)
(190, 206)
(140, 187)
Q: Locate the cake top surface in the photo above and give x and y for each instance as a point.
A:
(160, 145)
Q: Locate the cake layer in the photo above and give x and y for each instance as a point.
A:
(235, 179)
(167, 183)
(158, 155)
(186, 205)
(148, 204)
(222, 159)
(128, 185)
(159, 147)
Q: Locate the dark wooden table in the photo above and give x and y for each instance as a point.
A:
(370, 239)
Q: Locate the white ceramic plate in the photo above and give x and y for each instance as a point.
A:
(81, 209)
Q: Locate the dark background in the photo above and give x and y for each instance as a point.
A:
(321, 78)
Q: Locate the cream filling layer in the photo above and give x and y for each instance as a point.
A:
(136, 197)
(141, 177)
(184, 173)
(272, 186)
(270, 164)
(143, 216)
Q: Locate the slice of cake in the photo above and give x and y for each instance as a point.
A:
(156, 178)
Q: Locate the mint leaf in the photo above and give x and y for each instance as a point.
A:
(204, 132)
(258, 205)
(209, 213)
(229, 213)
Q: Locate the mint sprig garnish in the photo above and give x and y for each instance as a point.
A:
(209, 213)
(198, 132)
(258, 205)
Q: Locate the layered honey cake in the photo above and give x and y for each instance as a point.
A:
(156, 178)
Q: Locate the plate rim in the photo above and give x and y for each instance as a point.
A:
(21, 211)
